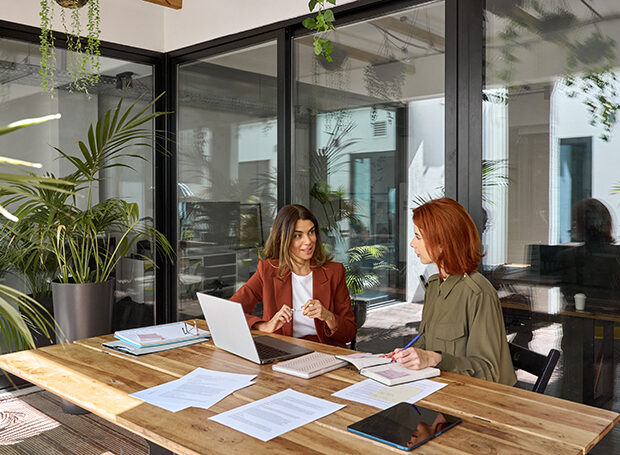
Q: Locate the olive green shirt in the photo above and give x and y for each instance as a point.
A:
(462, 319)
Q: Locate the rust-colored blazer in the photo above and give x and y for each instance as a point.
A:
(328, 286)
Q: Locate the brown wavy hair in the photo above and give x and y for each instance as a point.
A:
(450, 236)
(279, 242)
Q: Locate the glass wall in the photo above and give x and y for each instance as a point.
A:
(551, 184)
(369, 146)
(21, 97)
(227, 170)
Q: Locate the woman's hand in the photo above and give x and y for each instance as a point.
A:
(315, 310)
(391, 354)
(284, 315)
(416, 359)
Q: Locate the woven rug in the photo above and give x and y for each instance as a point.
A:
(32, 423)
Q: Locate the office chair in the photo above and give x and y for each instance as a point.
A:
(534, 363)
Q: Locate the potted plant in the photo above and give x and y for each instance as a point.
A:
(361, 272)
(87, 239)
(83, 55)
(20, 315)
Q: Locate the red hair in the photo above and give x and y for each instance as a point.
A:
(450, 235)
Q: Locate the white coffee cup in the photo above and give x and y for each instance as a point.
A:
(580, 302)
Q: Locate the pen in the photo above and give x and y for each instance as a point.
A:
(410, 343)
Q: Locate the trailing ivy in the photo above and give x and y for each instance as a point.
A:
(83, 56)
(322, 23)
(48, 56)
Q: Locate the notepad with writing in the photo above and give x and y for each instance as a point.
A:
(382, 369)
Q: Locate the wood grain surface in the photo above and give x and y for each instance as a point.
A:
(496, 418)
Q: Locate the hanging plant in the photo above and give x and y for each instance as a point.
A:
(322, 23)
(83, 54)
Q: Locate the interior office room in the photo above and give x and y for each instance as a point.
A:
(508, 107)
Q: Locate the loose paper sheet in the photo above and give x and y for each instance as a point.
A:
(277, 414)
(381, 396)
(200, 389)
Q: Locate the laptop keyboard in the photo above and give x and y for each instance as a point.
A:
(268, 352)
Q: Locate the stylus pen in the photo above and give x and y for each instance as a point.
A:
(410, 343)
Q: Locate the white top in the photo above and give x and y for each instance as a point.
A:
(302, 292)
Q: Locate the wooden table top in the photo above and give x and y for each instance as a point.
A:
(496, 418)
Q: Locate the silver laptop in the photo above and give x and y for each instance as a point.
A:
(229, 331)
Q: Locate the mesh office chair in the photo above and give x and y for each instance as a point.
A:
(534, 363)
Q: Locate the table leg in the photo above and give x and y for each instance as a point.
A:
(155, 449)
(588, 361)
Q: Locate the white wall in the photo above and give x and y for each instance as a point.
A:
(129, 22)
(146, 25)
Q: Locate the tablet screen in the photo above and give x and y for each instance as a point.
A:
(404, 425)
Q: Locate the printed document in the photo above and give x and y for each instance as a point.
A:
(200, 389)
(277, 414)
(380, 396)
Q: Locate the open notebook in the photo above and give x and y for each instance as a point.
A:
(382, 369)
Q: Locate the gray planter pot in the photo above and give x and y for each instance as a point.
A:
(82, 310)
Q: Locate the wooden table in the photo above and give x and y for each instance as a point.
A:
(496, 418)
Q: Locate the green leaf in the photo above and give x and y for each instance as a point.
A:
(309, 23)
(312, 4)
(329, 16)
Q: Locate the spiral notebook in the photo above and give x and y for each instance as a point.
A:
(309, 365)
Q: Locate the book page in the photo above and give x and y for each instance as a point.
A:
(364, 360)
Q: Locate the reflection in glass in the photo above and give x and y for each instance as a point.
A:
(369, 144)
(550, 105)
(227, 168)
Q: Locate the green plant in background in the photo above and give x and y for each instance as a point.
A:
(87, 243)
(18, 312)
(84, 64)
(591, 77)
(328, 203)
(363, 263)
(322, 23)
(590, 63)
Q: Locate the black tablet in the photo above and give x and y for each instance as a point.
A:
(404, 425)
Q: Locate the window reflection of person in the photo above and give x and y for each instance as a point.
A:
(593, 268)
(424, 431)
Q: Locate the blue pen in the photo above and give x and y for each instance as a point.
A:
(409, 344)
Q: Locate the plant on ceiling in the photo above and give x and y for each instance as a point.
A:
(321, 24)
(83, 65)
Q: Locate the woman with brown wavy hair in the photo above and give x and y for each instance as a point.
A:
(462, 327)
(304, 293)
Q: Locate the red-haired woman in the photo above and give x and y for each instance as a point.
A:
(462, 328)
(304, 294)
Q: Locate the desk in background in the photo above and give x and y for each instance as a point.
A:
(496, 418)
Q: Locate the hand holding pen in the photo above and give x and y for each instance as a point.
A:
(407, 346)
(415, 358)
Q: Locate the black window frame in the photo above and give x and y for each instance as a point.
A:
(464, 34)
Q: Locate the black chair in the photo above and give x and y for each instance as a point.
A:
(534, 363)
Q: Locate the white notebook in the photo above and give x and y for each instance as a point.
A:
(382, 369)
(309, 365)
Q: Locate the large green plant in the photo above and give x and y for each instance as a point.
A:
(86, 239)
(18, 312)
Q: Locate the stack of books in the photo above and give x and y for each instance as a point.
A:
(146, 340)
